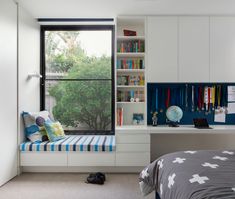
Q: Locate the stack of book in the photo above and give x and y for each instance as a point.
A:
(133, 46)
(126, 96)
(130, 64)
(130, 80)
(119, 116)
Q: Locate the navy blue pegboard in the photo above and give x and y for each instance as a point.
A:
(188, 115)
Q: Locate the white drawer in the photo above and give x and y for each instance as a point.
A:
(43, 159)
(135, 130)
(91, 159)
(132, 138)
(132, 159)
(133, 148)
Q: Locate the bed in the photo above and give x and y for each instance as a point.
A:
(191, 175)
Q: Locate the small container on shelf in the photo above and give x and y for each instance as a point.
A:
(129, 32)
(138, 119)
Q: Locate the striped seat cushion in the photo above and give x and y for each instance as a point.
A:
(81, 143)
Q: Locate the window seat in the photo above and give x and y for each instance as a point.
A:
(81, 143)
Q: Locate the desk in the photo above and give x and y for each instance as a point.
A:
(189, 129)
(166, 139)
(135, 144)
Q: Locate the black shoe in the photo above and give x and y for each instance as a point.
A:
(101, 175)
(98, 174)
(95, 178)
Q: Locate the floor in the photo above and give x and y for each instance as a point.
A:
(71, 186)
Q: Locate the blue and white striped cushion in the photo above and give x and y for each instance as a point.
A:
(74, 143)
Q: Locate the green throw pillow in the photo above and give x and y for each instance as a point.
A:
(54, 130)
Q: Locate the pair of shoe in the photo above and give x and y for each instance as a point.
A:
(96, 178)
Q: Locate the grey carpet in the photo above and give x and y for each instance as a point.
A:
(71, 186)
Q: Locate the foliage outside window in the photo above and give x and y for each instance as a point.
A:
(77, 84)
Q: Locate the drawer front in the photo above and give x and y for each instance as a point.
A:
(91, 159)
(132, 131)
(133, 148)
(136, 138)
(132, 159)
(43, 159)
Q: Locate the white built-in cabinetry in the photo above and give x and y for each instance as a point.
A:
(8, 89)
(132, 141)
(132, 147)
(178, 49)
(162, 48)
(222, 49)
(193, 49)
(130, 71)
(190, 49)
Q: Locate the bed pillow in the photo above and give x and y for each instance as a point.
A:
(54, 131)
(34, 125)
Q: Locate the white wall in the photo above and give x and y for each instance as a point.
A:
(110, 8)
(29, 61)
(8, 90)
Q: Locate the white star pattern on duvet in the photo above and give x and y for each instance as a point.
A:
(161, 189)
(191, 152)
(171, 181)
(213, 166)
(160, 163)
(179, 160)
(141, 183)
(144, 173)
(220, 158)
(228, 152)
(198, 179)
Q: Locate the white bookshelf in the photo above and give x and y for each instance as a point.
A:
(130, 38)
(129, 54)
(136, 103)
(125, 67)
(130, 70)
(131, 86)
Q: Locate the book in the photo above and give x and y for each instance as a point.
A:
(129, 32)
(130, 64)
(119, 116)
(132, 46)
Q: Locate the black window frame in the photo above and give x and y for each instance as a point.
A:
(43, 29)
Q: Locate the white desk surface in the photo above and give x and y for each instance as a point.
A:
(182, 129)
(190, 129)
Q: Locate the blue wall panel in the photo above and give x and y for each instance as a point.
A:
(188, 114)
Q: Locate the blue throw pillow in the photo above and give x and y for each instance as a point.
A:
(34, 125)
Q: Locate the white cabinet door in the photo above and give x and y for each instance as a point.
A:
(162, 37)
(8, 90)
(194, 49)
(222, 49)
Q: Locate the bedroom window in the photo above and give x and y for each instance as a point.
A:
(77, 87)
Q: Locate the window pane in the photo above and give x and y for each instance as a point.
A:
(80, 105)
(84, 54)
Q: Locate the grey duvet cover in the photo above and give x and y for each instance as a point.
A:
(191, 175)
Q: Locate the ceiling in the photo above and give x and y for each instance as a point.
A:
(112, 8)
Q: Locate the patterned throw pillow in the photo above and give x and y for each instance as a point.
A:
(34, 125)
(54, 131)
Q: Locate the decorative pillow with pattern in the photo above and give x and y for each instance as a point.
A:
(34, 125)
(54, 131)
